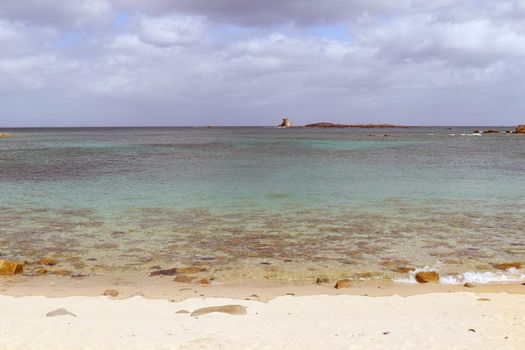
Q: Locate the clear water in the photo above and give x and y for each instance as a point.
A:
(263, 203)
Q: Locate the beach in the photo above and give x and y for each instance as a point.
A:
(460, 320)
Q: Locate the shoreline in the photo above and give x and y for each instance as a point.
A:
(166, 288)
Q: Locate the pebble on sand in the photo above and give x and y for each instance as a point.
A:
(238, 310)
(345, 283)
(60, 312)
(111, 293)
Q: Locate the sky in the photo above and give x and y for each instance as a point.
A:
(241, 62)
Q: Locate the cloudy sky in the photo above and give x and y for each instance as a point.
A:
(242, 62)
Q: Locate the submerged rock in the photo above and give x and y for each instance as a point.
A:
(506, 266)
(6, 134)
(345, 283)
(47, 261)
(286, 123)
(10, 267)
(183, 279)
(468, 285)
(238, 310)
(404, 269)
(167, 272)
(178, 270)
(520, 129)
(425, 277)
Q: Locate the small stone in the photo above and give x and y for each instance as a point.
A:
(425, 277)
(41, 271)
(483, 299)
(204, 281)
(468, 285)
(322, 280)
(60, 312)
(183, 279)
(111, 293)
(345, 283)
(62, 272)
(182, 312)
(47, 261)
(238, 310)
(10, 267)
(506, 266)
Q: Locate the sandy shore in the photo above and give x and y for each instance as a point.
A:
(424, 321)
(373, 315)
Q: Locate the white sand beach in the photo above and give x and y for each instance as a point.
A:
(457, 320)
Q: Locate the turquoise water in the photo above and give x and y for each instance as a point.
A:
(303, 202)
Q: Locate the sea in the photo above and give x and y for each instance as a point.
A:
(263, 204)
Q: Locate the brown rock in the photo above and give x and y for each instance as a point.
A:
(41, 271)
(182, 312)
(10, 267)
(183, 279)
(345, 283)
(227, 309)
(167, 272)
(404, 269)
(468, 285)
(191, 269)
(424, 277)
(520, 129)
(204, 281)
(47, 261)
(5, 134)
(111, 293)
(62, 272)
(506, 266)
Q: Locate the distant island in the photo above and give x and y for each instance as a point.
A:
(362, 126)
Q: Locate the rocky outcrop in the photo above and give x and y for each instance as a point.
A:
(325, 125)
(286, 123)
(8, 268)
(520, 129)
(425, 277)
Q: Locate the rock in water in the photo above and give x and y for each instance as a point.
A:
(238, 310)
(183, 279)
(506, 266)
(286, 123)
(10, 267)
(346, 283)
(6, 134)
(468, 285)
(60, 312)
(520, 129)
(47, 261)
(111, 293)
(425, 277)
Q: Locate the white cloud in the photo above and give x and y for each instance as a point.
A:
(172, 30)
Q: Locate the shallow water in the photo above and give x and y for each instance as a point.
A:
(264, 203)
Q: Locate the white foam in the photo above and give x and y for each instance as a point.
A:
(510, 275)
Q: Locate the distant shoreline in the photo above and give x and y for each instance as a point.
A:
(325, 125)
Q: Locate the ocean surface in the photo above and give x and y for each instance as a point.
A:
(265, 204)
